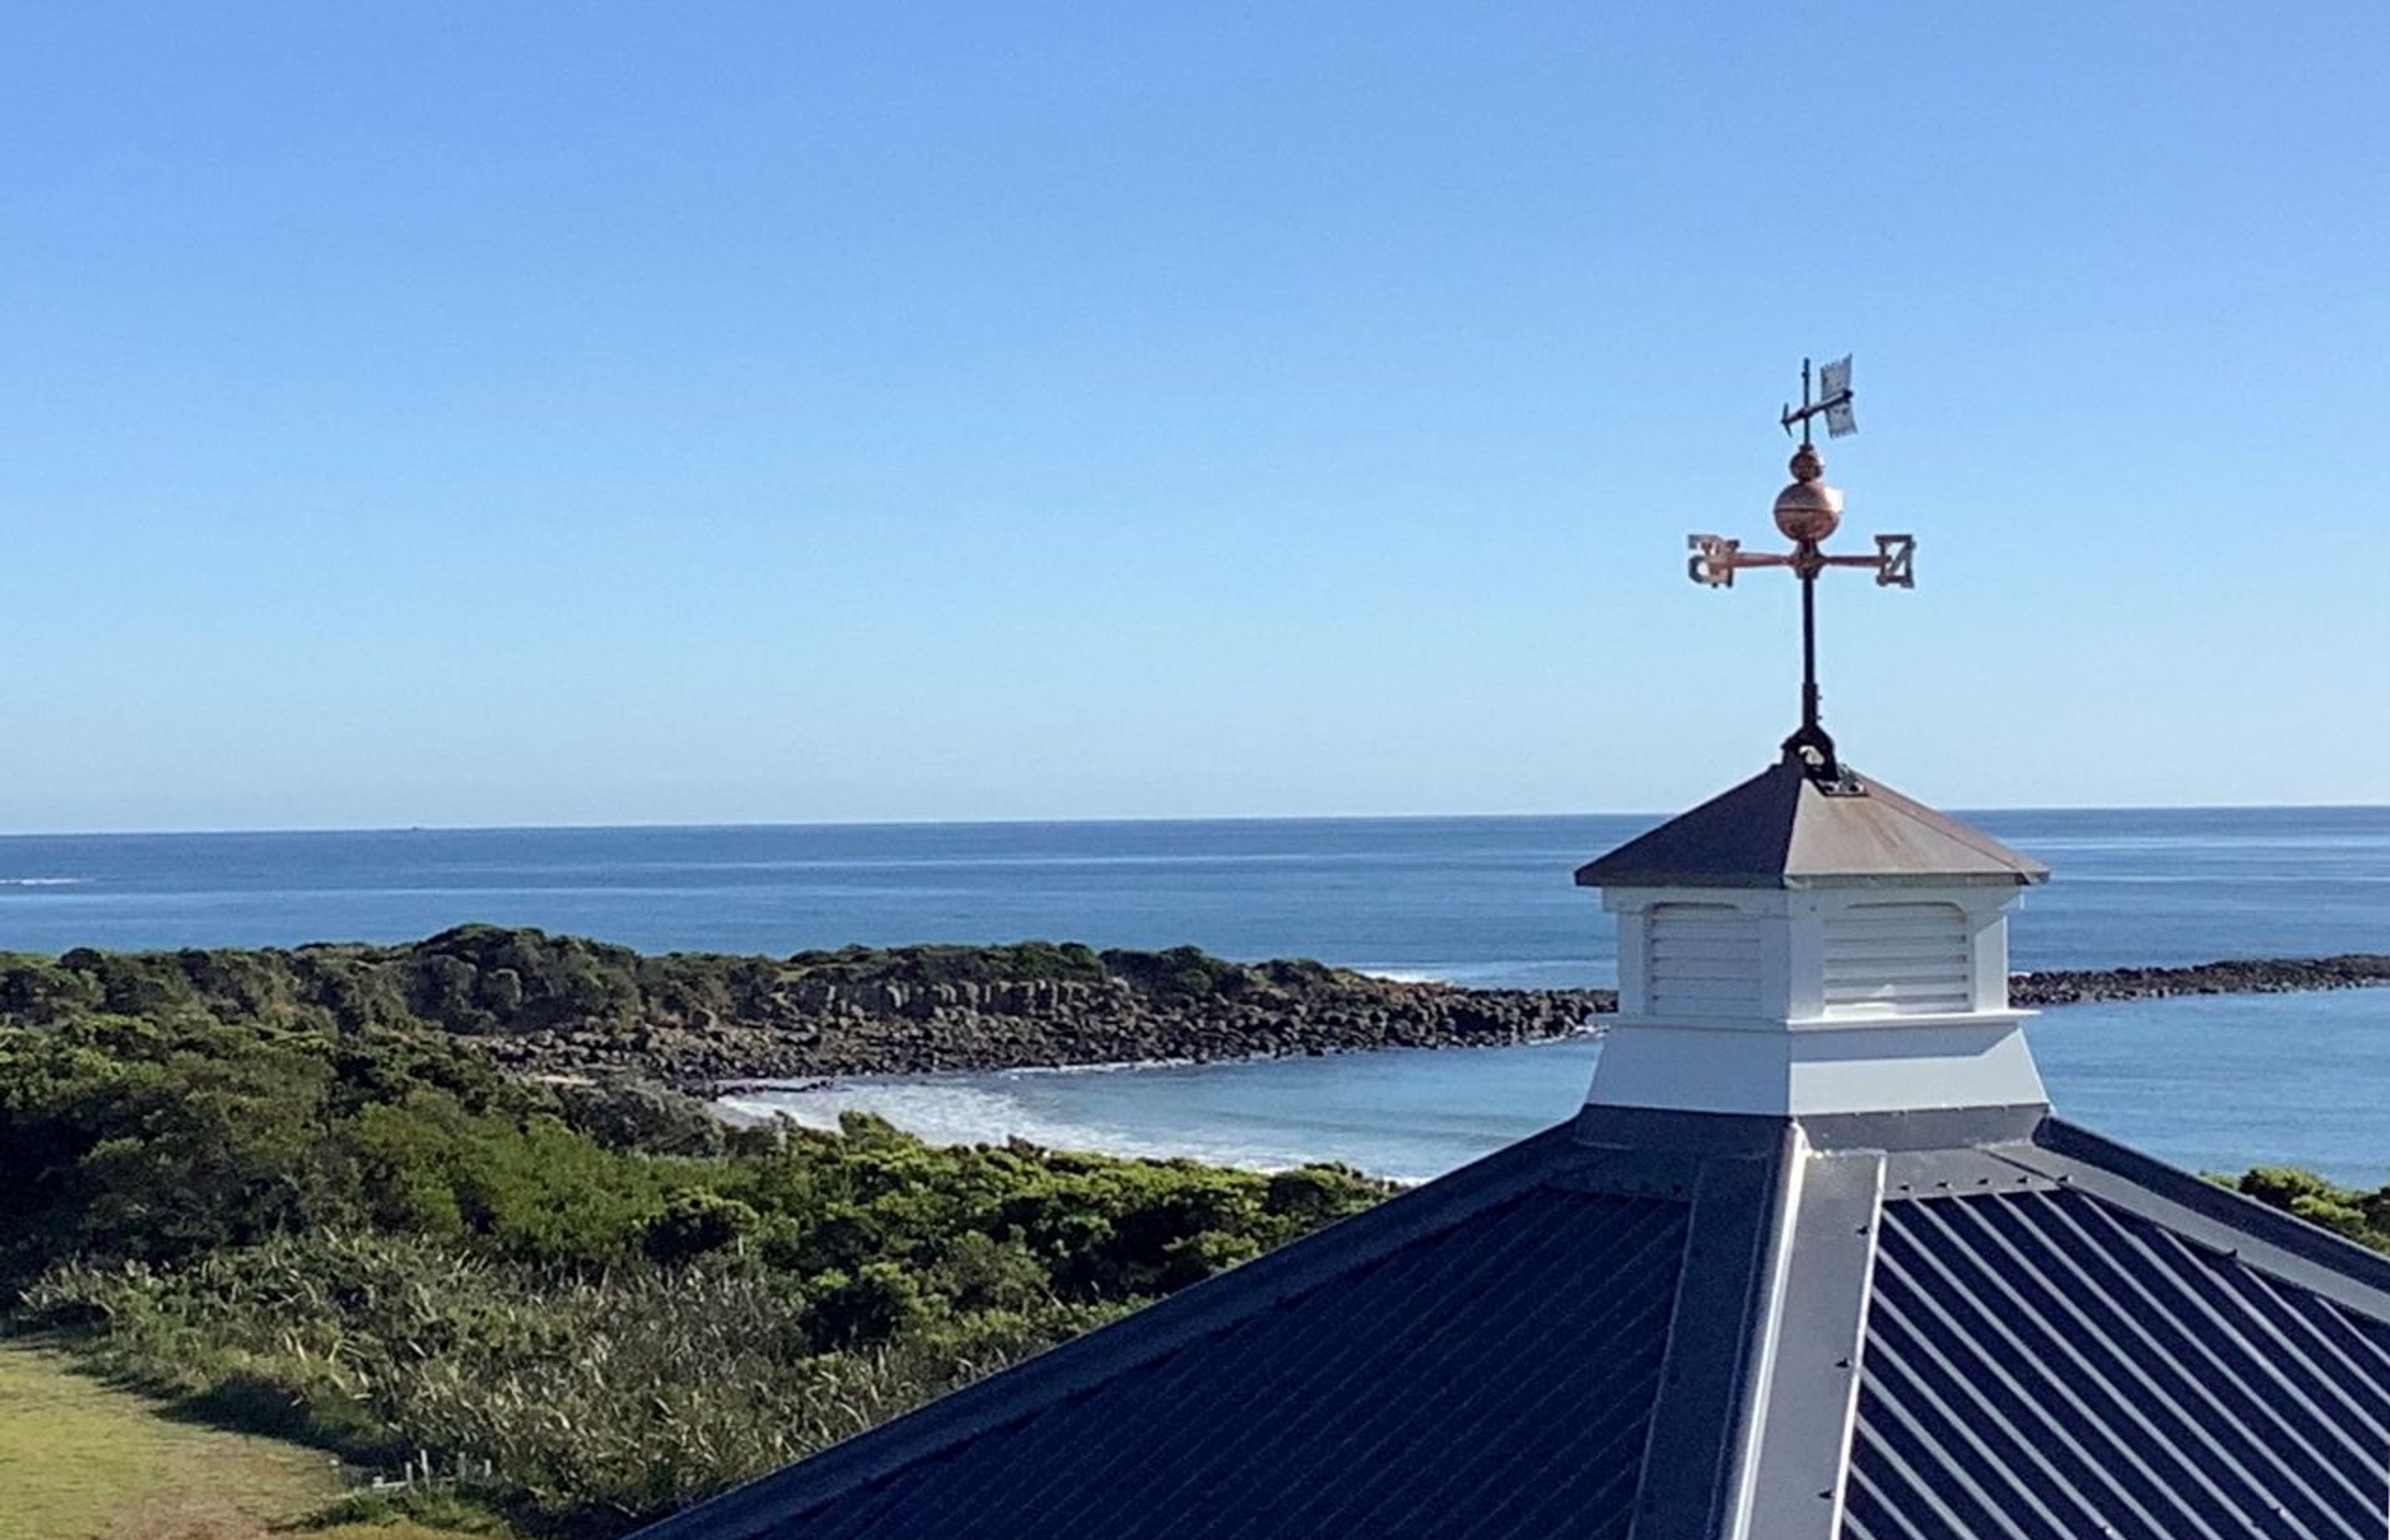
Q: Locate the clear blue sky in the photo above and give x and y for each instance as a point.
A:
(497, 414)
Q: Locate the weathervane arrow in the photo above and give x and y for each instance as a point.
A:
(1808, 512)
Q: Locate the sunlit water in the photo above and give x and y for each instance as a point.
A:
(1472, 900)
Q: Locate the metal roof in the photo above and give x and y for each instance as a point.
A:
(1392, 1375)
(2050, 1363)
(1529, 1336)
(1781, 828)
(1653, 1325)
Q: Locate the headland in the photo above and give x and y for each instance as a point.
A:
(564, 1008)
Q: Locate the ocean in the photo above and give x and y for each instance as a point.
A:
(2207, 1082)
(2212, 1082)
(1480, 900)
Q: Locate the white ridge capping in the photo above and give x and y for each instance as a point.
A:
(1836, 995)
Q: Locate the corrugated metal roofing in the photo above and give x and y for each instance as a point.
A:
(1779, 829)
(1666, 1326)
(1405, 1398)
(2049, 1365)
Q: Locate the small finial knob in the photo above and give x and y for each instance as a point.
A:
(1809, 510)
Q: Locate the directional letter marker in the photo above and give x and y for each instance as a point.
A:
(1808, 512)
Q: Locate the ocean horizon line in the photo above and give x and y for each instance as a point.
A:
(1114, 821)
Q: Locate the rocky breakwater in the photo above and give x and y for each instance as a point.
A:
(830, 1028)
(2247, 976)
(915, 1011)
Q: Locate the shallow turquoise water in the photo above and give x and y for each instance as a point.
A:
(2209, 1083)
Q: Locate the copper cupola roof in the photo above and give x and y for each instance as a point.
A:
(1784, 829)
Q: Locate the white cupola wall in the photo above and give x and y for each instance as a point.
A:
(1800, 948)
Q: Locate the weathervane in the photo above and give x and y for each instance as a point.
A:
(1808, 512)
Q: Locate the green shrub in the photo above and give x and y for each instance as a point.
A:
(696, 1222)
(2359, 1216)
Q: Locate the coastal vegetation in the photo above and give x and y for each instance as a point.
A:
(2350, 1212)
(371, 1239)
(431, 1205)
(564, 1005)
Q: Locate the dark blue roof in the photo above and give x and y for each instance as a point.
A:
(1402, 1398)
(1651, 1326)
(1393, 1375)
(2048, 1363)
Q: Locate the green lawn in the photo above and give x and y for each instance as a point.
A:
(80, 1460)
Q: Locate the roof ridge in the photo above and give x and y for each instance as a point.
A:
(2272, 1240)
(1941, 823)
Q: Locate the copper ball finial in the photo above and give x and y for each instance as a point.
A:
(1809, 510)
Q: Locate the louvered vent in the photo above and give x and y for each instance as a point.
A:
(1898, 960)
(1702, 960)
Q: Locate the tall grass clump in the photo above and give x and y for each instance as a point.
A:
(594, 1401)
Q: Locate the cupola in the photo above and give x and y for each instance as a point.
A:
(1796, 946)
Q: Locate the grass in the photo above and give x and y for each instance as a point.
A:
(83, 1460)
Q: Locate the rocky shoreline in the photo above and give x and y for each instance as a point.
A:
(566, 1008)
(894, 1029)
(2247, 976)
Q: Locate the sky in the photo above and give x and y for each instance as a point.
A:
(508, 414)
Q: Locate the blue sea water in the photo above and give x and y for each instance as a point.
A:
(2216, 1084)
(1473, 900)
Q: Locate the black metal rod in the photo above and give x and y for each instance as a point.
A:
(1808, 652)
